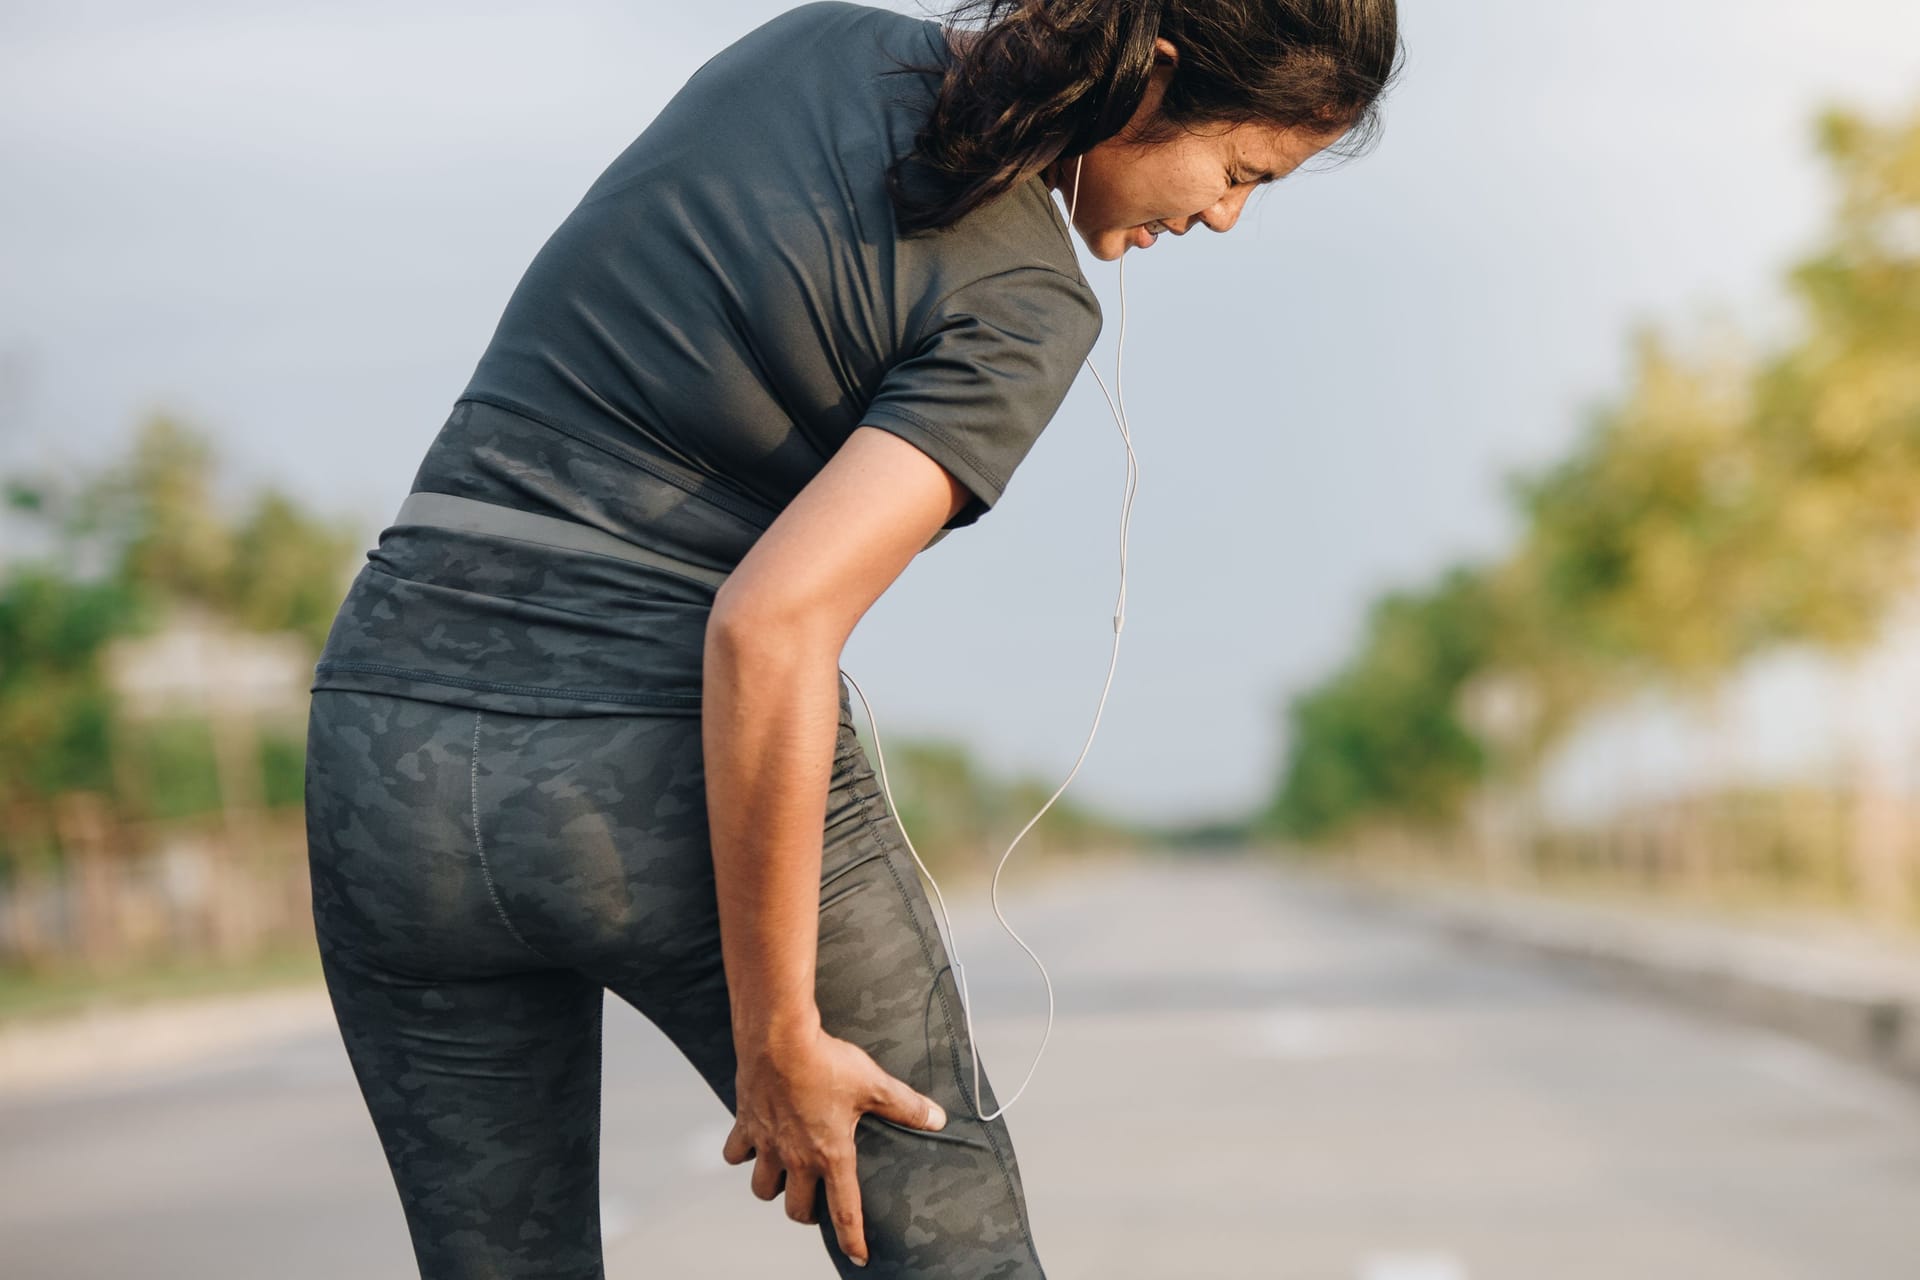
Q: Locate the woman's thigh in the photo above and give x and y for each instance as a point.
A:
(478, 1059)
(605, 831)
(942, 1203)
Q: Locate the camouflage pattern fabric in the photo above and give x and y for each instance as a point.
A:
(480, 877)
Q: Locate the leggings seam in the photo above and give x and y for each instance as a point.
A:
(953, 1039)
(480, 847)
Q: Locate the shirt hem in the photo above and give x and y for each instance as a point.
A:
(496, 695)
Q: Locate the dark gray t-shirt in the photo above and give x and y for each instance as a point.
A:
(728, 302)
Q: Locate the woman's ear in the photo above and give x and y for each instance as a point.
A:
(1164, 51)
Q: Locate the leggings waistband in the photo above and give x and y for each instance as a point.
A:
(471, 515)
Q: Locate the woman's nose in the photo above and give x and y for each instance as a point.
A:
(1226, 211)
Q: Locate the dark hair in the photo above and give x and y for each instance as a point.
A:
(1050, 78)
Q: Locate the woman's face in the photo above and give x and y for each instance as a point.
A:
(1127, 192)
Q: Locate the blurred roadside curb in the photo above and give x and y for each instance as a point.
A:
(1846, 988)
(107, 1041)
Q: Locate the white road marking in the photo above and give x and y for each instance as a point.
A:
(1412, 1266)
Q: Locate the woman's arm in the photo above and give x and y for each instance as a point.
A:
(769, 722)
(771, 705)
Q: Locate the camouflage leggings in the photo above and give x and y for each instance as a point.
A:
(480, 877)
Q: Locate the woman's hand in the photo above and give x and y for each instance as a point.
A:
(799, 1097)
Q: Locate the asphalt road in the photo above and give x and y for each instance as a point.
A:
(1247, 1077)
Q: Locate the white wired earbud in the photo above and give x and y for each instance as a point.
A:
(1119, 617)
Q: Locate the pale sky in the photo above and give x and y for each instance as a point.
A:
(296, 225)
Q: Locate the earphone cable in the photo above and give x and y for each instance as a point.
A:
(1119, 618)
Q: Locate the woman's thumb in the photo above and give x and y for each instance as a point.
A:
(908, 1106)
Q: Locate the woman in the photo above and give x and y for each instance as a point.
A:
(574, 729)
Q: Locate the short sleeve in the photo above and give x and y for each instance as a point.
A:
(991, 366)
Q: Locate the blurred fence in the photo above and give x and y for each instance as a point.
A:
(225, 887)
(1831, 846)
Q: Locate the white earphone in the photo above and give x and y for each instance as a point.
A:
(1120, 608)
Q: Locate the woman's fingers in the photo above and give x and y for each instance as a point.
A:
(820, 1087)
(843, 1202)
(843, 1206)
(738, 1148)
(802, 1186)
(768, 1177)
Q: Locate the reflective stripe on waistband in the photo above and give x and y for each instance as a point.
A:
(471, 515)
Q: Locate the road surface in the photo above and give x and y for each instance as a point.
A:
(1248, 1077)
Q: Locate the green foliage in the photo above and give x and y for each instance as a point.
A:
(1719, 506)
(1383, 735)
(283, 761)
(174, 760)
(284, 574)
(125, 545)
(275, 569)
(162, 503)
(55, 709)
(958, 817)
(174, 757)
(1644, 547)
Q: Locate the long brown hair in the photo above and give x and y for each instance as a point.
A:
(1043, 79)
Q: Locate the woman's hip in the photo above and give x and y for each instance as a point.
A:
(468, 837)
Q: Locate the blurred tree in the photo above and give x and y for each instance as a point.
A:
(123, 546)
(940, 800)
(1718, 507)
(957, 817)
(284, 574)
(277, 569)
(55, 708)
(1383, 736)
(1837, 415)
(175, 545)
(1641, 548)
